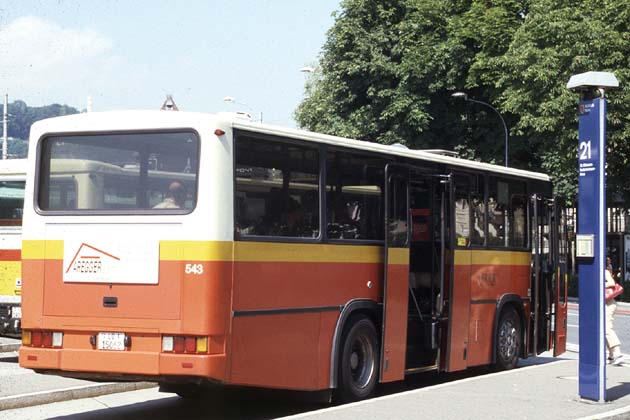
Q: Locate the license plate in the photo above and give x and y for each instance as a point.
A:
(16, 312)
(111, 341)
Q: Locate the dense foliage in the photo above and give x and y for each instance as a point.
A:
(22, 116)
(389, 67)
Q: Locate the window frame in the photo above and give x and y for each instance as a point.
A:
(486, 180)
(108, 212)
(323, 150)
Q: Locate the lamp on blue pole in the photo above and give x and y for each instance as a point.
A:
(591, 228)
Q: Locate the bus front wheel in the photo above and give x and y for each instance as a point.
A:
(508, 339)
(358, 367)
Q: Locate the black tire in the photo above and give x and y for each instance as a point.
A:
(358, 361)
(508, 340)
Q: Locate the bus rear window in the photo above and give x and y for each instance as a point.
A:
(119, 172)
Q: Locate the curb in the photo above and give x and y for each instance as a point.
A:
(74, 393)
(618, 414)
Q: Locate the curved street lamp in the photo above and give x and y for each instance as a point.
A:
(465, 97)
(233, 100)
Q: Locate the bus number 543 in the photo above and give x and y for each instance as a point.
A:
(194, 269)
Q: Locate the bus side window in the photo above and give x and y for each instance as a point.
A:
(478, 211)
(517, 213)
(354, 196)
(462, 212)
(498, 201)
(277, 189)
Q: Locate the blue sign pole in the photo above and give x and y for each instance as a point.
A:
(592, 232)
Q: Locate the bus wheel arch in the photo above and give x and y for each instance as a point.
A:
(353, 309)
(508, 342)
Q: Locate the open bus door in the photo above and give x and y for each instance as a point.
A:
(548, 285)
(396, 275)
(561, 286)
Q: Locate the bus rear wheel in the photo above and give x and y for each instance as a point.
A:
(358, 367)
(508, 339)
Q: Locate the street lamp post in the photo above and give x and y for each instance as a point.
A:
(233, 100)
(466, 98)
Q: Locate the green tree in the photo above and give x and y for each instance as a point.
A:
(558, 39)
(22, 116)
(388, 69)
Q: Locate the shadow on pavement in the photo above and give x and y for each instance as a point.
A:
(618, 391)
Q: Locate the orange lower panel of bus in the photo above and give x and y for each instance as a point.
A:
(125, 362)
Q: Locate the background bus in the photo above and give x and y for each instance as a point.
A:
(12, 179)
(297, 260)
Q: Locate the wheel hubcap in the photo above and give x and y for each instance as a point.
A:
(362, 362)
(508, 340)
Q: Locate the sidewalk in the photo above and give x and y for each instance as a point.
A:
(546, 390)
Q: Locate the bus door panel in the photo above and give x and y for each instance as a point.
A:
(396, 275)
(455, 199)
(543, 274)
(459, 313)
(560, 245)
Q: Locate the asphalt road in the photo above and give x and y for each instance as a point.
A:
(621, 326)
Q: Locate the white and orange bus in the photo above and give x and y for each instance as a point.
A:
(194, 249)
(12, 180)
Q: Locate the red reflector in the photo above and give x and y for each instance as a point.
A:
(191, 345)
(187, 365)
(178, 344)
(36, 338)
(31, 357)
(219, 132)
(46, 339)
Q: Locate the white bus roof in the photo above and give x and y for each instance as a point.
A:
(134, 120)
(429, 155)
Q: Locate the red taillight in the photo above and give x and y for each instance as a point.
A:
(218, 132)
(178, 344)
(47, 339)
(184, 344)
(190, 345)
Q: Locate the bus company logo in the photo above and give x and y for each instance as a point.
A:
(90, 260)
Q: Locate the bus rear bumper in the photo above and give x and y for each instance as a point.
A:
(123, 365)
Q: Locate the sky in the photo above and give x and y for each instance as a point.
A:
(129, 54)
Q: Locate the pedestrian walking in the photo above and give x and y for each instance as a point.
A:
(612, 341)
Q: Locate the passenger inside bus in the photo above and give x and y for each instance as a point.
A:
(294, 222)
(174, 198)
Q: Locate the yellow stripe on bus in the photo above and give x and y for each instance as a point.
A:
(242, 251)
(196, 250)
(282, 252)
(40, 250)
(492, 257)
(398, 256)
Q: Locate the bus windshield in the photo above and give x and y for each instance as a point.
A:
(119, 172)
